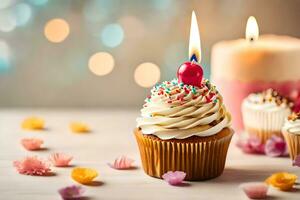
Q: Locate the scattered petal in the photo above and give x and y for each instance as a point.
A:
(255, 190)
(283, 181)
(296, 162)
(33, 123)
(275, 146)
(174, 178)
(78, 127)
(32, 166)
(251, 145)
(84, 175)
(60, 159)
(32, 144)
(71, 192)
(122, 162)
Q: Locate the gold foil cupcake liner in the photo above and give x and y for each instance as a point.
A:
(293, 142)
(201, 158)
(263, 135)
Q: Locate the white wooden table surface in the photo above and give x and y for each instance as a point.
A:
(112, 136)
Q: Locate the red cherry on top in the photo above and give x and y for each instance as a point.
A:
(190, 73)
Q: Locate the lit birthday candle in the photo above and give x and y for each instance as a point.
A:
(191, 72)
(252, 30)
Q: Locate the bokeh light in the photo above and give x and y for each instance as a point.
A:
(23, 13)
(5, 56)
(38, 2)
(147, 74)
(4, 65)
(7, 21)
(112, 35)
(57, 30)
(101, 63)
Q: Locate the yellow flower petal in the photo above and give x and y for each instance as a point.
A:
(78, 127)
(283, 181)
(84, 175)
(33, 123)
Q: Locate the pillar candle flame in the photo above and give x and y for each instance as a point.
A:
(194, 44)
(252, 30)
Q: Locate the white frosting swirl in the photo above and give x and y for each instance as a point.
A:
(179, 111)
(292, 126)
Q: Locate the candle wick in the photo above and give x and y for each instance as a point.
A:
(194, 58)
(252, 39)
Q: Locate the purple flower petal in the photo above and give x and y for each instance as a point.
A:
(256, 145)
(275, 146)
(71, 192)
(251, 145)
(174, 178)
(296, 162)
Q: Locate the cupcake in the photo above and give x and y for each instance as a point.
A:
(184, 127)
(291, 132)
(264, 114)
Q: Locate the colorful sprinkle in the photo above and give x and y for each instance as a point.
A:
(168, 91)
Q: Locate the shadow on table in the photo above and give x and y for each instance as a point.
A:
(68, 166)
(131, 168)
(85, 198)
(95, 183)
(42, 149)
(46, 129)
(270, 197)
(49, 174)
(240, 175)
(183, 185)
(88, 198)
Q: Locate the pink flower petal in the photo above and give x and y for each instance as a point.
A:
(122, 162)
(32, 144)
(60, 159)
(296, 162)
(174, 178)
(275, 146)
(251, 145)
(255, 190)
(71, 192)
(32, 166)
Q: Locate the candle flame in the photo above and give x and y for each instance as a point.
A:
(252, 30)
(194, 44)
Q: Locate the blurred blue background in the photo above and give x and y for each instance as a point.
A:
(87, 53)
